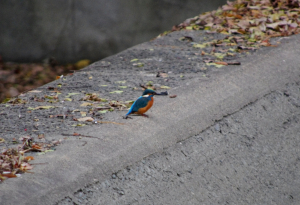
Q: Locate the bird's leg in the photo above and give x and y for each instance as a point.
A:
(126, 117)
(145, 115)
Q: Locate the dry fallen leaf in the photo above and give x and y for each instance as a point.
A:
(221, 63)
(108, 122)
(35, 146)
(35, 91)
(255, 21)
(164, 87)
(214, 64)
(25, 166)
(40, 107)
(41, 136)
(86, 104)
(8, 175)
(93, 97)
(116, 91)
(84, 119)
(28, 158)
(82, 63)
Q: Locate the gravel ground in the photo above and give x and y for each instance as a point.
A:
(178, 59)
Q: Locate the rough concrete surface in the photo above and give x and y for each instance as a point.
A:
(230, 138)
(249, 157)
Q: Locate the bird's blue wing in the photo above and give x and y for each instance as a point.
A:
(139, 103)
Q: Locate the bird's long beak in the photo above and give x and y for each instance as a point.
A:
(162, 93)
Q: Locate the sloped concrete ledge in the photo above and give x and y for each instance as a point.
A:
(198, 105)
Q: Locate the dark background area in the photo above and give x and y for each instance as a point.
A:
(41, 38)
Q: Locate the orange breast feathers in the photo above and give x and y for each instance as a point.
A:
(144, 109)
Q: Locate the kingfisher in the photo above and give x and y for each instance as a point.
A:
(143, 103)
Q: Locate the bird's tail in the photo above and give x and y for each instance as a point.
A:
(126, 116)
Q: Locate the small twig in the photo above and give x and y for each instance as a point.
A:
(149, 87)
(246, 48)
(31, 149)
(39, 163)
(108, 122)
(102, 108)
(78, 135)
(213, 49)
(234, 63)
(84, 86)
(28, 171)
(143, 86)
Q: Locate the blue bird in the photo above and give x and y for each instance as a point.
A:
(142, 104)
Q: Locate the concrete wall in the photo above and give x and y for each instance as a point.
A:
(70, 30)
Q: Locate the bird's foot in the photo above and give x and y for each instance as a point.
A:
(145, 115)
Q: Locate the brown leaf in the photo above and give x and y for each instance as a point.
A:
(6, 166)
(227, 7)
(35, 146)
(25, 166)
(243, 24)
(221, 63)
(108, 122)
(28, 158)
(92, 97)
(272, 25)
(8, 175)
